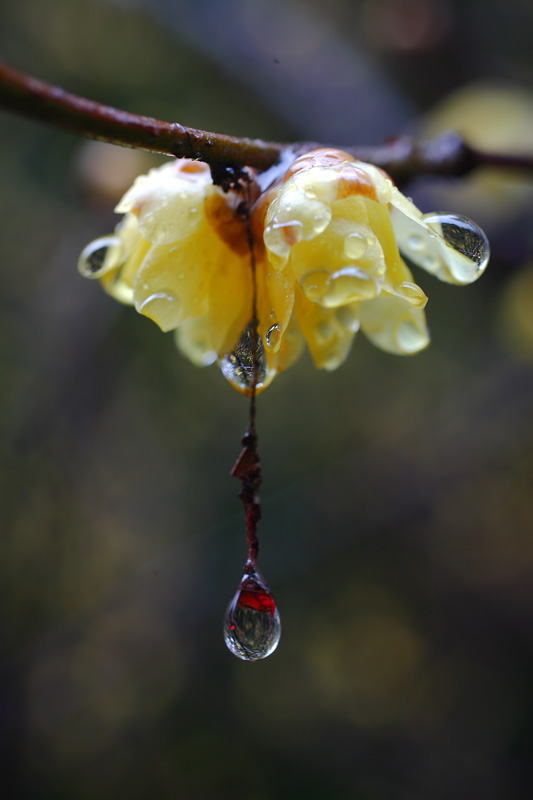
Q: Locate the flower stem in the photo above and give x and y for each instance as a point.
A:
(248, 465)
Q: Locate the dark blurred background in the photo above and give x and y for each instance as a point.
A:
(398, 510)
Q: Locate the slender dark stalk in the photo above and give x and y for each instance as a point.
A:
(248, 465)
(403, 158)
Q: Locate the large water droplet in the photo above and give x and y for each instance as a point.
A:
(347, 285)
(93, 257)
(252, 627)
(238, 366)
(468, 244)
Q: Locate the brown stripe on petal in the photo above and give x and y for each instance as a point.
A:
(353, 180)
(322, 157)
(221, 213)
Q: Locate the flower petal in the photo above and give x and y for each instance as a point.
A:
(394, 325)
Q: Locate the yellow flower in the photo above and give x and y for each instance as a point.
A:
(327, 242)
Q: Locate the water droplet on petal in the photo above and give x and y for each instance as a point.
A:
(292, 231)
(320, 223)
(415, 242)
(430, 263)
(162, 307)
(157, 297)
(273, 337)
(93, 257)
(238, 366)
(314, 284)
(355, 245)
(467, 248)
(412, 293)
(348, 284)
(347, 318)
(252, 627)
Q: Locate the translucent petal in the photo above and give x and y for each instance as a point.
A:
(192, 339)
(181, 271)
(394, 325)
(230, 299)
(328, 340)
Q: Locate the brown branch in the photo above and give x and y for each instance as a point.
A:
(403, 158)
(448, 155)
(42, 101)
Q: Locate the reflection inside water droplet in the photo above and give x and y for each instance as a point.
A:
(238, 366)
(469, 242)
(252, 626)
(92, 259)
(273, 337)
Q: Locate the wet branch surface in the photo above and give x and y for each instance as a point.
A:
(403, 158)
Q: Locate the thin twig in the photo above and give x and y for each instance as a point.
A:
(248, 465)
(403, 158)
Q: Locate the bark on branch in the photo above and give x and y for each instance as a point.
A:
(403, 158)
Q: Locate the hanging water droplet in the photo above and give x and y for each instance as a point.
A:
(355, 245)
(467, 248)
(273, 337)
(412, 293)
(238, 366)
(93, 257)
(252, 627)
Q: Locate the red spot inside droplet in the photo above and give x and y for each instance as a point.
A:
(258, 600)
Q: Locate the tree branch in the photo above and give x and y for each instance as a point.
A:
(403, 158)
(42, 101)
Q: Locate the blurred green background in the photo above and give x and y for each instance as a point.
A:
(397, 498)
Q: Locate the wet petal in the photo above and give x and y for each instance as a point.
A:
(394, 325)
